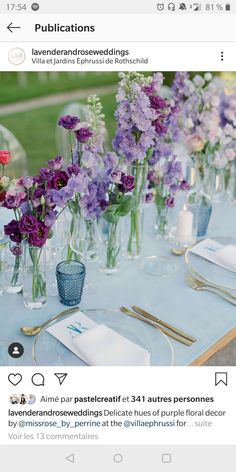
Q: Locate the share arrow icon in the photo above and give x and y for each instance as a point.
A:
(61, 377)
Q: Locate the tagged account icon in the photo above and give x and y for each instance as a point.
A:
(160, 6)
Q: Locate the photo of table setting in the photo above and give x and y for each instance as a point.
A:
(121, 249)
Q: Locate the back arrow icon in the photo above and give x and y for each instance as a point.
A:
(10, 27)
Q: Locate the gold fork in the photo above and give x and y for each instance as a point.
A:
(200, 286)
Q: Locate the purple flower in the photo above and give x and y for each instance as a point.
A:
(13, 231)
(39, 237)
(14, 200)
(27, 182)
(104, 204)
(83, 135)
(56, 163)
(184, 185)
(73, 169)
(16, 250)
(158, 103)
(59, 180)
(149, 197)
(127, 183)
(50, 218)
(68, 122)
(46, 174)
(60, 197)
(170, 202)
(28, 224)
(116, 176)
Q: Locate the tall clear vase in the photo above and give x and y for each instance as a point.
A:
(14, 268)
(78, 242)
(93, 240)
(134, 220)
(110, 260)
(34, 277)
(232, 183)
(161, 222)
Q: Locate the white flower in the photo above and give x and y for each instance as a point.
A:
(199, 81)
(208, 77)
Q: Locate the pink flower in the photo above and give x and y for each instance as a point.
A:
(5, 157)
(195, 143)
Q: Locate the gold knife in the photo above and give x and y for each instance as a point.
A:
(176, 337)
(163, 323)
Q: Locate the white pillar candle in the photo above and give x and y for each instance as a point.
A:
(184, 228)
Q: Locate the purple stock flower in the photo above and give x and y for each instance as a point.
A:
(68, 121)
(127, 183)
(50, 218)
(83, 135)
(28, 224)
(56, 163)
(158, 103)
(16, 250)
(13, 231)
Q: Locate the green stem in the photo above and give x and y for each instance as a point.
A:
(112, 247)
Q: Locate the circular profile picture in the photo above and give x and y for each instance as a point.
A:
(32, 399)
(23, 399)
(14, 399)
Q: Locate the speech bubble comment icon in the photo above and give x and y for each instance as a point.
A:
(38, 380)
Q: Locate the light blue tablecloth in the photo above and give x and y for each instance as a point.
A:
(203, 315)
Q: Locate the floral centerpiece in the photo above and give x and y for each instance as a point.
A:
(87, 148)
(118, 203)
(141, 116)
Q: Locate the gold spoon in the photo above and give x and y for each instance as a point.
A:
(33, 330)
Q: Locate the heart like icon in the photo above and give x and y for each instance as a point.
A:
(15, 379)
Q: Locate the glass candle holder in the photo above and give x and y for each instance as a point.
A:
(70, 281)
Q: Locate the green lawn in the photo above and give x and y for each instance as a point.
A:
(36, 130)
(41, 84)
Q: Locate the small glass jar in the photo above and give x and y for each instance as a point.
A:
(34, 277)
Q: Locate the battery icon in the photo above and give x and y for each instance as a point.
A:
(228, 7)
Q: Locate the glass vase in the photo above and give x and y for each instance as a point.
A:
(34, 277)
(135, 218)
(13, 267)
(161, 222)
(232, 183)
(215, 184)
(93, 240)
(110, 257)
(77, 244)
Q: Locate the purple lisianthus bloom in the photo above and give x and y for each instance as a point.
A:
(170, 202)
(68, 121)
(28, 224)
(39, 237)
(13, 231)
(83, 135)
(73, 169)
(104, 204)
(46, 173)
(56, 163)
(59, 180)
(16, 250)
(14, 200)
(27, 181)
(184, 185)
(127, 183)
(149, 197)
(38, 193)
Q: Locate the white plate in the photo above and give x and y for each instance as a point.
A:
(47, 350)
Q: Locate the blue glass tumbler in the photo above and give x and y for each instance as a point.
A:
(70, 281)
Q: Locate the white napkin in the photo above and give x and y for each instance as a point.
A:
(101, 346)
(226, 256)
